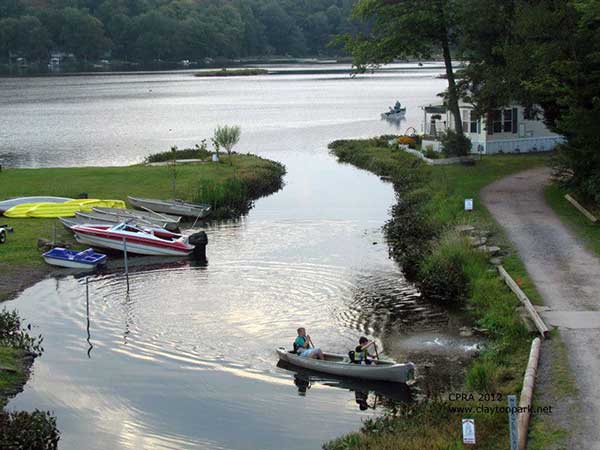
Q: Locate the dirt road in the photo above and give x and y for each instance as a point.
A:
(567, 276)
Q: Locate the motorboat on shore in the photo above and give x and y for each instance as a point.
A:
(340, 365)
(62, 257)
(5, 205)
(395, 113)
(137, 240)
(166, 221)
(177, 207)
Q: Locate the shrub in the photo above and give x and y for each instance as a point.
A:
(13, 335)
(431, 153)
(406, 140)
(454, 144)
(200, 152)
(21, 430)
(443, 274)
(481, 376)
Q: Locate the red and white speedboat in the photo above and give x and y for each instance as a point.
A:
(149, 241)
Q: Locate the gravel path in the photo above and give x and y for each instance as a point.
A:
(567, 276)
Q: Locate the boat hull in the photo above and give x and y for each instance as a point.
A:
(167, 222)
(70, 264)
(342, 367)
(132, 246)
(179, 209)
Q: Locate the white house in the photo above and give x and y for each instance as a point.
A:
(507, 130)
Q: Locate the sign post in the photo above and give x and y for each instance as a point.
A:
(468, 204)
(512, 422)
(468, 429)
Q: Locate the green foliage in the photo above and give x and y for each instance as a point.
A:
(153, 31)
(403, 29)
(200, 152)
(13, 335)
(543, 54)
(227, 136)
(21, 430)
(454, 144)
(443, 276)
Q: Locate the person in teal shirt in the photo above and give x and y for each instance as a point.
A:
(302, 346)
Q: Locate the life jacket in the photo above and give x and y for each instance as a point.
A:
(297, 348)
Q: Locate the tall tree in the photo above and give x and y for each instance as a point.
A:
(408, 28)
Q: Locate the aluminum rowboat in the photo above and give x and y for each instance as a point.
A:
(177, 207)
(340, 365)
(166, 221)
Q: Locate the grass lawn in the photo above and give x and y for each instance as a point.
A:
(229, 185)
(500, 367)
(583, 227)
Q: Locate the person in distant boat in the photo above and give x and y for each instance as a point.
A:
(361, 352)
(303, 344)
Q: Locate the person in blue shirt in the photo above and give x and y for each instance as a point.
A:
(303, 346)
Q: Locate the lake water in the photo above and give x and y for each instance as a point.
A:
(186, 359)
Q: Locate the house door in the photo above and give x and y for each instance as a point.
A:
(521, 130)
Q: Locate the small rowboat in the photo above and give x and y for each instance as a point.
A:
(340, 365)
(166, 221)
(62, 257)
(177, 207)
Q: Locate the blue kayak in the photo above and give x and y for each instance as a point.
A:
(87, 259)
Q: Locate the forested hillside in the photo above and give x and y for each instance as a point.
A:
(170, 30)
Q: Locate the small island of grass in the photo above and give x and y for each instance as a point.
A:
(224, 72)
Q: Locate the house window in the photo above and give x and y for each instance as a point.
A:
(502, 120)
(469, 123)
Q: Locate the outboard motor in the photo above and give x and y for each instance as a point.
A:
(199, 241)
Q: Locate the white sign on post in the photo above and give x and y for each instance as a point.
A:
(468, 204)
(468, 429)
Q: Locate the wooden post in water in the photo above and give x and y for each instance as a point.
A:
(87, 313)
(126, 263)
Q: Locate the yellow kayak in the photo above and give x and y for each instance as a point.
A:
(54, 210)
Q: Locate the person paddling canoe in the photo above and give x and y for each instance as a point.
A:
(304, 347)
(361, 352)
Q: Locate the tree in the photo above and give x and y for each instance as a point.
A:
(408, 28)
(227, 137)
(544, 54)
(83, 34)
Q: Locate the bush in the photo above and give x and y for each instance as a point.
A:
(407, 140)
(454, 144)
(431, 153)
(13, 335)
(200, 152)
(21, 430)
(443, 274)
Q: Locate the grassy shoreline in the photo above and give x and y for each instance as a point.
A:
(421, 233)
(229, 186)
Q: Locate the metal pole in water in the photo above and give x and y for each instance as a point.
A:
(126, 263)
(512, 422)
(87, 311)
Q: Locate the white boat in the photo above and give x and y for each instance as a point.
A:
(341, 365)
(86, 260)
(5, 205)
(137, 240)
(166, 221)
(178, 207)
